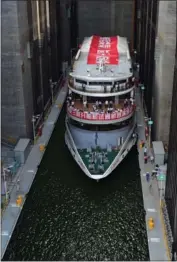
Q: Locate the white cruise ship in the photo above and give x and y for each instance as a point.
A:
(100, 120)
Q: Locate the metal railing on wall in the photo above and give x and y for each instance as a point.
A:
(38, 120)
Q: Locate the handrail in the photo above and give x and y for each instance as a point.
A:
(96, 116)
(96, 93)
(7, 143)
(49, 102)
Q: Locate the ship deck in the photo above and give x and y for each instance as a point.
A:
(79, 105)
(121, 71)
(98, 160)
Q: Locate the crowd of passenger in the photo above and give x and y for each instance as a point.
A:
(100, 106)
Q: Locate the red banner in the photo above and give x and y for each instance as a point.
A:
(101, 116)
(103, 47)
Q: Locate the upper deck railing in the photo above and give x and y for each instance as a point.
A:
(100, 116)
(101, 87)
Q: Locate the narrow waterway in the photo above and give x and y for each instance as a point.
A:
(67, 216)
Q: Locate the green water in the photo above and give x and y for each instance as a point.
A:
(68, 216)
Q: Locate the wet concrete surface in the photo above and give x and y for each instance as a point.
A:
(68, 216)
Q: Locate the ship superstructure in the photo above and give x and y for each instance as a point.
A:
(100, 121)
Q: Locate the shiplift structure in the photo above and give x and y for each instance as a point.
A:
(100, 120)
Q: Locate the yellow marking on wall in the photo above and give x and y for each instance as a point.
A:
(164, 232)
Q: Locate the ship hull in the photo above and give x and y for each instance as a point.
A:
(129, 142)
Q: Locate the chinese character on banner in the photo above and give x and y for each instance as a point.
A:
(107, 116)
(103, 46)
(104, 42)
(107, 52)
(119, 115)
(101, 58)
(101, 116)
(123, 113)
(94, 116)
(113, 116)
(82, 115)
(88, 116)
(100, 52)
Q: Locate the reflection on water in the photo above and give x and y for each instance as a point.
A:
(67, 216)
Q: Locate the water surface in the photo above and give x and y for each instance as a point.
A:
(67, 216)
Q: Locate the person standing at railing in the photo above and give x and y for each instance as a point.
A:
(100, 104)
(94, 108)
(110, 103)
(111, 109)
(97, 104)
(70, 99)
(131, 101)
(85, 105)
(106, 104)
(126, 102)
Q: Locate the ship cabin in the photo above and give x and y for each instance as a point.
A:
(101, 82)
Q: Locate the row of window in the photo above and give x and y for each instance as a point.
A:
(83, 82)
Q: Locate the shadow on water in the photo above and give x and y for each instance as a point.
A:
(68, 216)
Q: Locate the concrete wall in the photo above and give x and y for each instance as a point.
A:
(164, 69)
(16, 85)
(106, 18)
(25, 60)
(65, 30)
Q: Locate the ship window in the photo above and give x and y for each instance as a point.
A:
(81, 81)
(120, 82)
(100, 83)
(108, 127)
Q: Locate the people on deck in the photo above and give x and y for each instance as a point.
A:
(85, 104)
(100, 106)
(106, 104)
